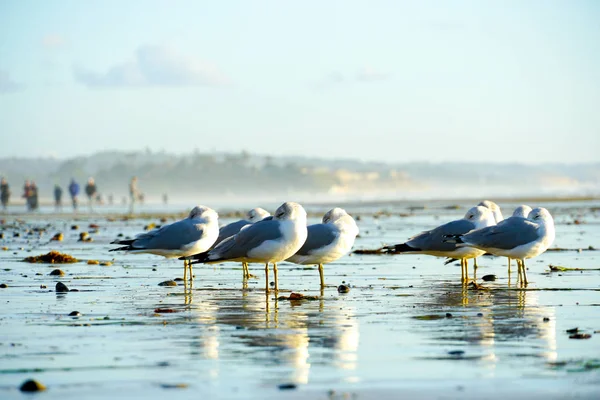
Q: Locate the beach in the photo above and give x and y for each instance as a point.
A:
(406, 328)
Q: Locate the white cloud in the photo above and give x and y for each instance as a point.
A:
(7, 84)
(53, 41)
(368, 74)
(154, 66)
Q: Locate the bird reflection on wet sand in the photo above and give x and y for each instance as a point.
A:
(279, 333)
(491, 322)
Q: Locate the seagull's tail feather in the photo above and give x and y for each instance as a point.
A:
(199, 258)
(400, 248)
(126, 241)
(124, 248)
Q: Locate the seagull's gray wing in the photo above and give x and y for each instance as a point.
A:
(249, 238)
(170, 237)
(513, 232)
(230, 230)
(319, 235)
(433, 240)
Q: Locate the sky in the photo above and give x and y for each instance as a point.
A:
(392, 81)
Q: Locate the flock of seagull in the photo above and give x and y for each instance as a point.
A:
(285, 236)
(526, 234)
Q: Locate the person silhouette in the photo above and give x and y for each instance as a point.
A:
(74, 192)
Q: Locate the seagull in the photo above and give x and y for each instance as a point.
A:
(270, 240)
(252, 216)
(497, 217)
(186, 237)
(495, 209)
(433, 242)
(516, 238)
(520, 212)
(327, 241)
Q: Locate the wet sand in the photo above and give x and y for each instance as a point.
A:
(407, 328)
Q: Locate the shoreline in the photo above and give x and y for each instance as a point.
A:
(173, 211)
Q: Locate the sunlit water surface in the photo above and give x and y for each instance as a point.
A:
(389, 336)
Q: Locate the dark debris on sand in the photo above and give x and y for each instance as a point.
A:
(53, 257)
(372, 251)
(297, 296)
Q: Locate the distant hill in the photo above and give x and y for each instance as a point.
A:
(243, 174)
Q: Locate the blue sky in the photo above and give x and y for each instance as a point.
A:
(497, 81)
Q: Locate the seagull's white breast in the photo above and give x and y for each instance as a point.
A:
(293, 236)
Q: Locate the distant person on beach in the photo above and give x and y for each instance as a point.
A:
(58, 197)
(165, 199)
(133, 193)
(74, 192)
(33, 197)
(90, 191)
(111, 199)
(27, 194)
(4, 193)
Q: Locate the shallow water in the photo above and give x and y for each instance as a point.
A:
(389, 336)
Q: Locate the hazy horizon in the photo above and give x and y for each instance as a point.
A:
(230, 177)
(284, 157)
(389, 81)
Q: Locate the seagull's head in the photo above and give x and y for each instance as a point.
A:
(204, 212)
(290, 210)
(334, 214)
(481, 216)
(257, 214)
(343, 220)
(522, 211)
(495, 209)
(540, 215)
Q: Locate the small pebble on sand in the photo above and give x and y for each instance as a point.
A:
(288, 386)
(580, 336)
(343, 289)
(84, 237)
(61, 287)
(174, 385)
(32, 385)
